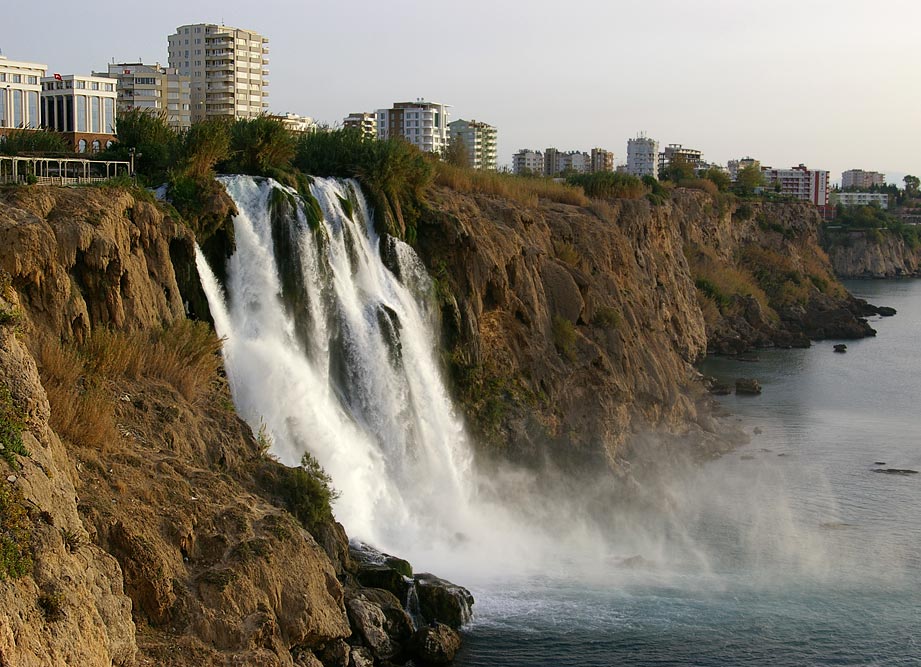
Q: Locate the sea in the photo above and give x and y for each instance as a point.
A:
(795, 549)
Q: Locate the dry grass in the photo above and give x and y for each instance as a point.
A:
(567, 253)
(719, 281)
(527, 190)
(78, 379)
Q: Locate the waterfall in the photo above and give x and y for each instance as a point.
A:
(333, 351)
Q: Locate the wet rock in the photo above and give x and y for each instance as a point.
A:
(841, 348)
(376, 569)
(370, 623)
(748, 386)
(436, 644)
(879, 463)
(885, 311)
(896, 471)
(361, 657)
(443, 602)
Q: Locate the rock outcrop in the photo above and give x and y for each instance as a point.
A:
(874, 254)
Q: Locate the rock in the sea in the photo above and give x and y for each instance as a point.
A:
(896, 471)
(379, 619)
(885, 311)
(436, 644)
(361, 657)
(841, 347)
(748, 386)
(443, 602)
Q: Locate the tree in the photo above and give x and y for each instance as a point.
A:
(153, 140)
(719, 177)
(911, 185)
(204, 145)
(749, 178)
(679, 169)
(456, 153)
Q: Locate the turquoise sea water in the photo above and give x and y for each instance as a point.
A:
(789, 551)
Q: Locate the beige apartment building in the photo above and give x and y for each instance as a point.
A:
(227, 67)
(20, 93)
(366, 123)
(479, 141)
(153, 88)
(82, 108)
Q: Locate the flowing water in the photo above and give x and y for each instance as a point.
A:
(789, 551)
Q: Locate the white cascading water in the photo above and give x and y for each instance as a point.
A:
(349, 372)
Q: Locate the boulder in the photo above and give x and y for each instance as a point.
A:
(841, 347)
(436, 644)
(748, 386)
(379, 620)
(443, 602)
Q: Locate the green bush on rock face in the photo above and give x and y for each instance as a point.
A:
(307, 492)
(15, 535)
(11, 426)
(564, 337)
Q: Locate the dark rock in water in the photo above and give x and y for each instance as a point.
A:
(757, 431)
(885, 311)
(747, 457)
(379, 570)
(841, 347)
(721, 389)
(746, 357)
(781, 454)
(436, 644)
(879, 463)
(748, 386)
(896, 471)
(443, 602)
(835, 525)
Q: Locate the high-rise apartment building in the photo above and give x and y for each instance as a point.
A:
(227, 68)
(423, 124)
(479, 140)
(82, 108)
(800, 182)
(643, 156)
(153, 88)
(602, 160)
(20, 92)
(366, 123)
(527, 162)
(858, 178)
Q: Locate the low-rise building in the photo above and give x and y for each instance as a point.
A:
(295, 122)
(155, 89)
(527, 162)
(82, 108)
(366, 123)
(880, 199)
(423, 124)
(20, 94)
(678, 153)
(858, 178)
(643, 156)
(800, 182)
(479, 140)
(735, 166)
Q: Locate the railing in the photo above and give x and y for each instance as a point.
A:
(60, 171)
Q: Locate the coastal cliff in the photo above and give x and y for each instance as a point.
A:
(143, 523)
(871, 254)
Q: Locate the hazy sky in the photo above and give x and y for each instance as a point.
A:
(833, 84)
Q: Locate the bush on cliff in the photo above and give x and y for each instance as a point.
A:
(609, 185)
(11, 426)
(259, 146)
(306, 491)
(15, 535)
(527, 190)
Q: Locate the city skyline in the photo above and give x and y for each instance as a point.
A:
(786, 84)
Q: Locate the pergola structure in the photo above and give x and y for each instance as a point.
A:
(59, 170)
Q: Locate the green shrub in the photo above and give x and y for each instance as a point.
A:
(11, 426)
(33, 141)
(155, 143)
(606, 317)
(307, 492)
(15, 535)
(203, 146)
(258, 145)
(744, 212)
(609, 184)
(564, 337)
(567, 253)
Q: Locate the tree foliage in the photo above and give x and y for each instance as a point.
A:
(609, 184)
(18, 142)
(749, 178)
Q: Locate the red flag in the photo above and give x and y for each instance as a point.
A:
(58, 77)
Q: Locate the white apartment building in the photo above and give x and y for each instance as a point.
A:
(153, 88)
(800, 182)
(479, 140)
(227, 68)
(858, 178)
(677, 152)
(296, 123)
(80, 107)
(528, 162)
(366, 123)
(20, 92)
(643, 156)
(859, 199)
(423, 124)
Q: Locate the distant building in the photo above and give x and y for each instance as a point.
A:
(735, 166)
(20, 93)
(799, 182)
(295, 122)
(528, 162)
(678, 153)
(226, 67)
(602, 160)
(551, 166)
(859, 199)
(365, 122)
(479, 140)
(858, 178)
(423, 124)
(153, 88)
(82, 108)
(643, 156)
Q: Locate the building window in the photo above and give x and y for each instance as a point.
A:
(96, 146)
(81, 113)
(81, 146)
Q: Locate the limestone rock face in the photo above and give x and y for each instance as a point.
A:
(867, 255)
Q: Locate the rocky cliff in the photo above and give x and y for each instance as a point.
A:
(141, 522)
(873, 254)
(574, 330)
